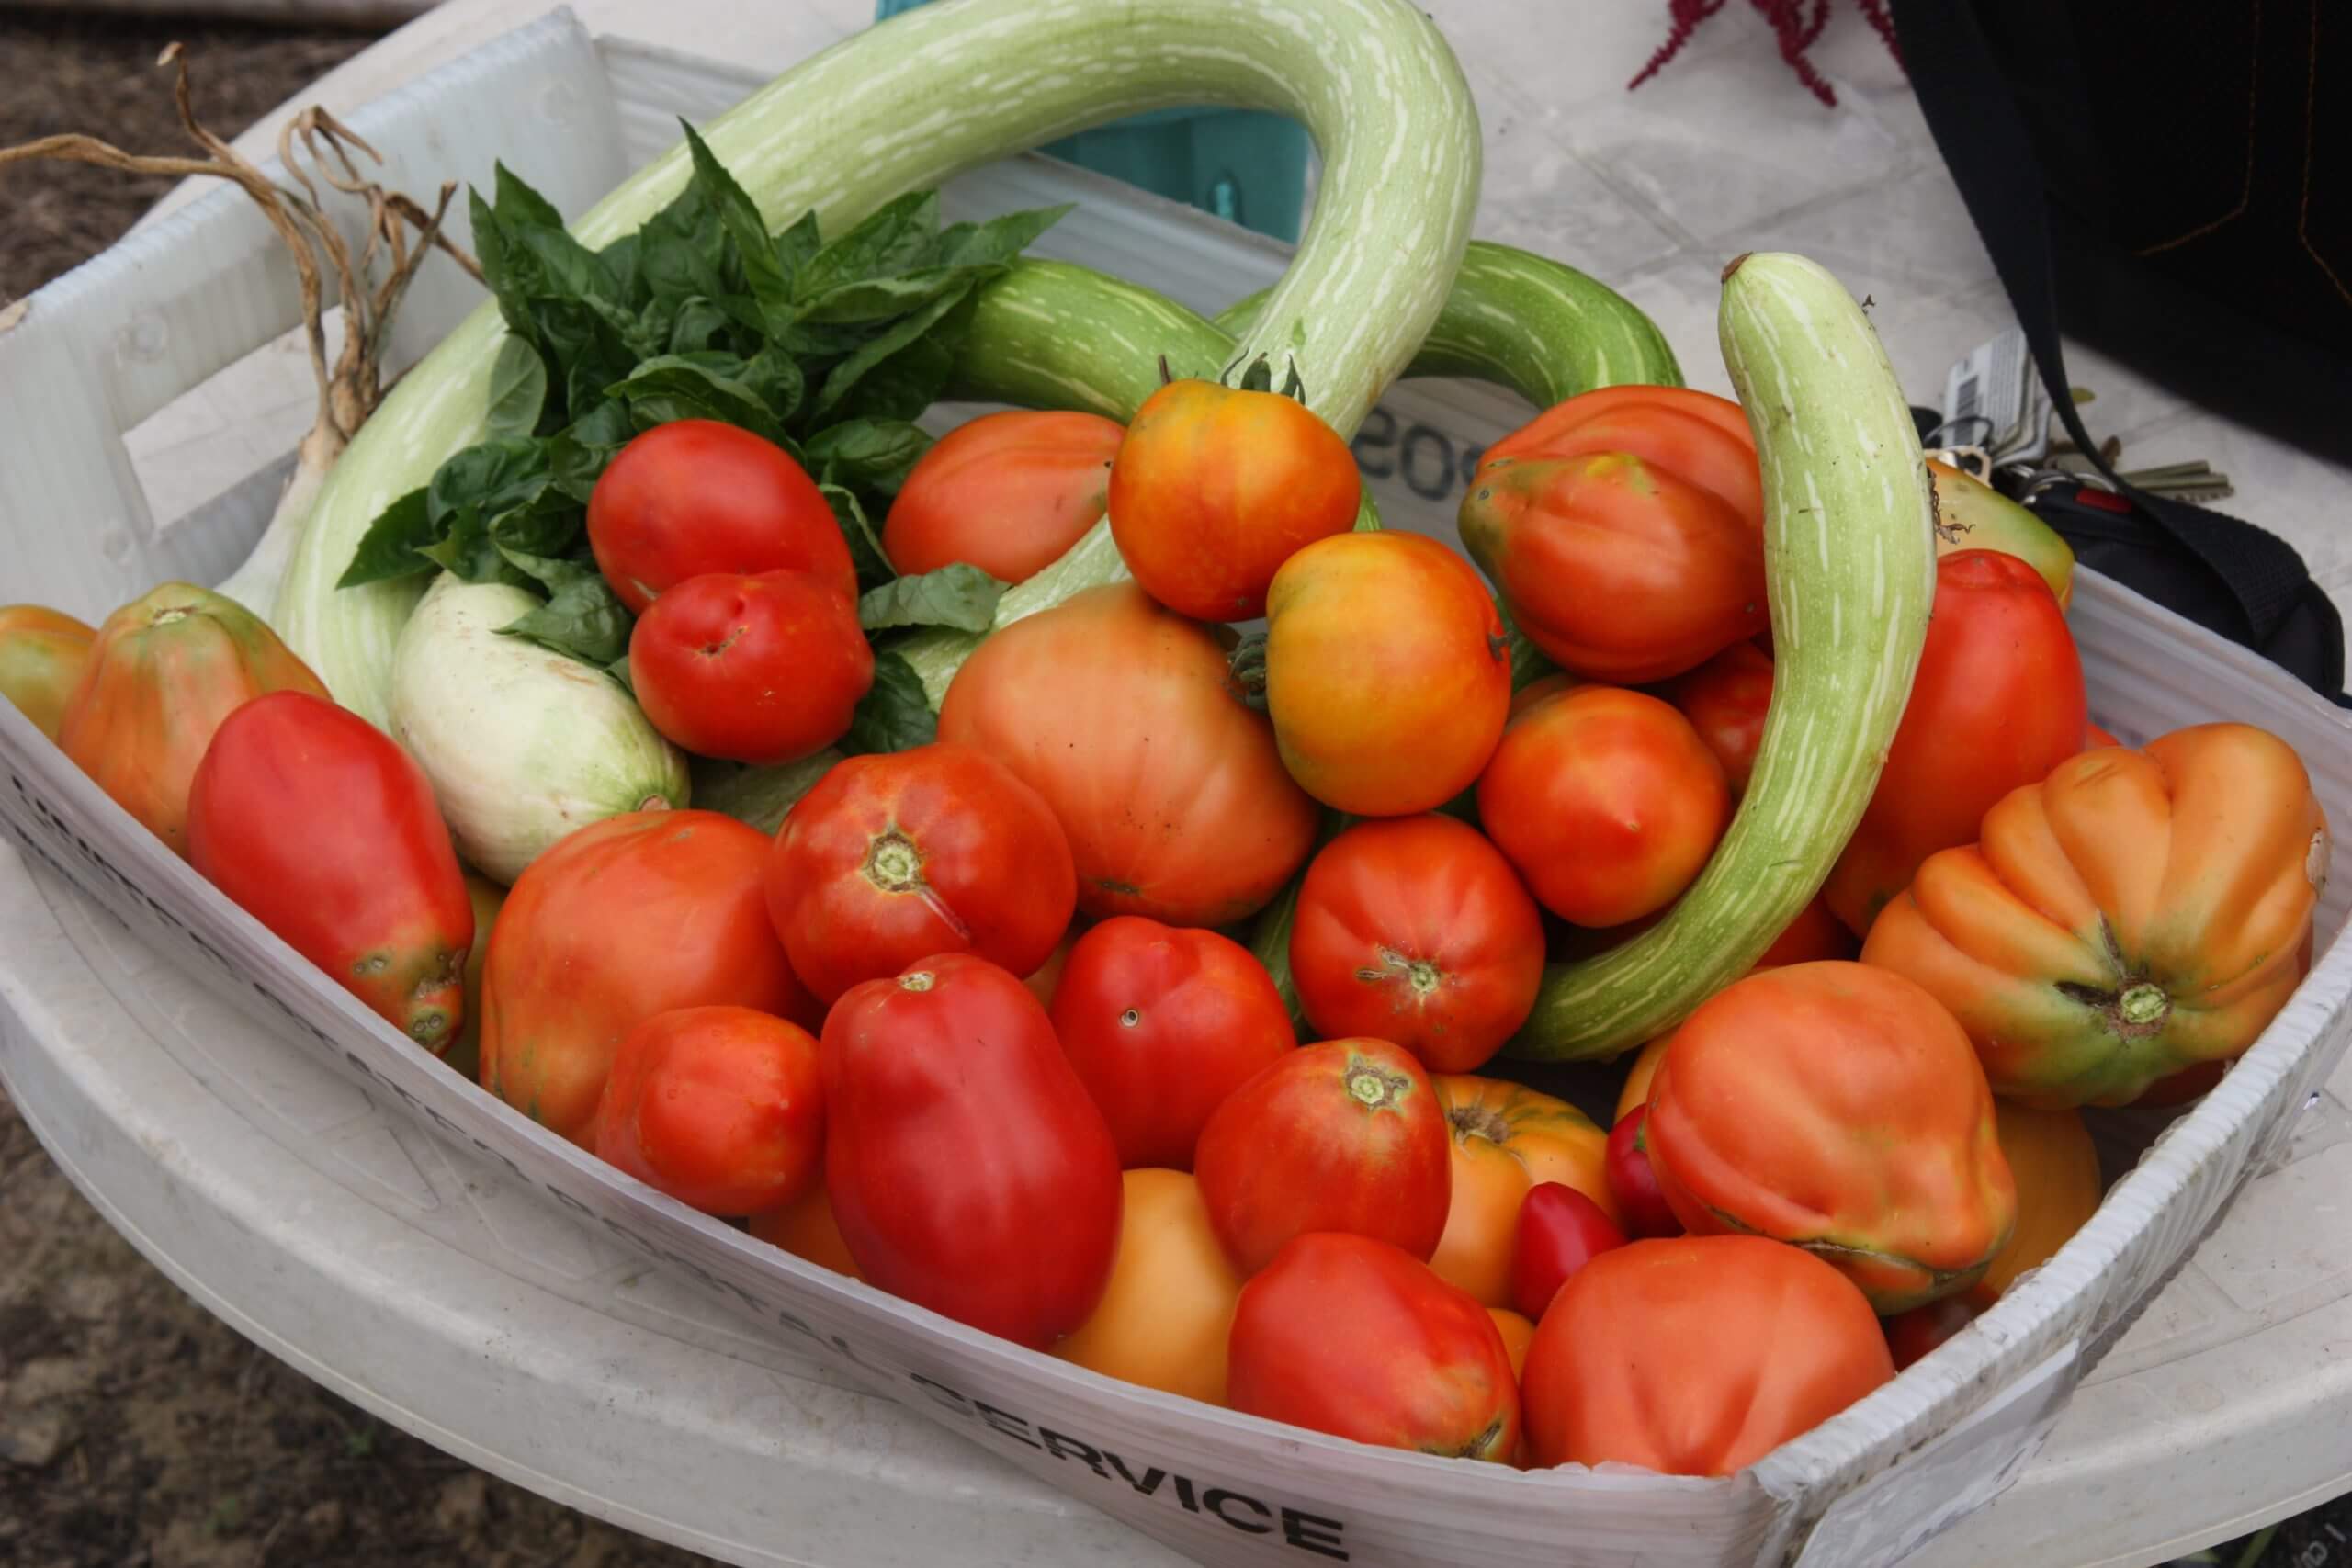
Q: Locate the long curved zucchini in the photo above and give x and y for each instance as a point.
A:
(1054, 335)
(942, 88)
(1850, 562)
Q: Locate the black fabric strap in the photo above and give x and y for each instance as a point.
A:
(1972, 107)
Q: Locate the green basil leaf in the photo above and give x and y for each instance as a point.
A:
(695, 323)
(883, 298)
(764, 270)
(520, 207)
(896, 237)
(468, 550)
(577, 454)
(797, 245)
(621, 265)
(551, 524)
(998, 240)
(893, 716)
(960, 596)
(868, 454)
(618, 670)
(389, 549)
(865, 544)
(498, 270)
(491, 477)
(900, 335)
(775, 375)
(677, 386)
(518, 388)
(583, 618)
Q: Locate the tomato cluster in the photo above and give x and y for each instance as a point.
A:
(977, 1025)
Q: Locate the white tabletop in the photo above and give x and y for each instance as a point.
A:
(410, 1278)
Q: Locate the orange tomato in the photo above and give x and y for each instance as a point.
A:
(1007, 493)
(1645, 1072)
(807, 1229)
(1605, 801)
(2132, 916)
(1167, 1312)
(1507, 1138)
(2056, 1168)
(1387, 672)
(1517, 1334)
(42, 655)
(1696, 1355)
(722, 1108)
(1837, 1108)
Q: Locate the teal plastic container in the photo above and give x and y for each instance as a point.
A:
(1243, 165)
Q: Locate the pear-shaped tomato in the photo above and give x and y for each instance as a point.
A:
(1837, 1108)
(1214, 488)
(1007, 493)
(42, 655)
(2134, 915)
(1387, 673)
(164, 672)
(1624, 528)
(1126, 717)
(274, 820)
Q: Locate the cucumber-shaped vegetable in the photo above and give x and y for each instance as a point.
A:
(937, 90)
(1052, 335)
(1850, 562)
(522, 744)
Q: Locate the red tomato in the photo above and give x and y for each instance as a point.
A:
(1007, 493)
(1349, 1336)
(1633, 1183)
(697, 496)
(1560, 1230)
(1417, 931)
(1387, 675)
(900, 855)
(1813, 935)
(1125, 716)
(1624, 528)
(1347, 1135)
(1725, 700)
(1696, 1356)
(1046, 980)
(1213, 490)
(1161, 1023)
(1910, 1336)
(762, 669)
(316, 824)
(720, 1107)
(1606, 801)
(628, 916)
(1997, 703)
(968, 1171)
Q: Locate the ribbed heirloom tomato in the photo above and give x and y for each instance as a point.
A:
(900, 855)
(1997, 702)
(1624, 528)
(1007, 493)
(628, 916)
(722, 1108)
(1349, 1336)
(1387, 673)
(762, 669)
(1507, 1140)
(1162, 1022)
(1696, 1356)
(695, 496)
(1126, 717)
(2132, 917)
(383, 912)
(968, 1171)
(1837, 1108)
(1168, 1311)
(1417, 931)
(1214, 488)
(1605, 801)
(1347, 1135)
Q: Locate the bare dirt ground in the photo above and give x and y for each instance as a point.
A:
(135, 1429)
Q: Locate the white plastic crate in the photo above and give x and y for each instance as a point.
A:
(103, 348)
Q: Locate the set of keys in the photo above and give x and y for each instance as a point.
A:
(1996, 418)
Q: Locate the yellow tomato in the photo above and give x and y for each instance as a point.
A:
(2050, 1154)
(1506, 1139)
(1169, 1306)
(1637, 1082)
(1516, 1331)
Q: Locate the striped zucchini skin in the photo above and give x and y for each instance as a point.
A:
(946, 88)
(1050, 334)
(1537, 326)
(1850, 559)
